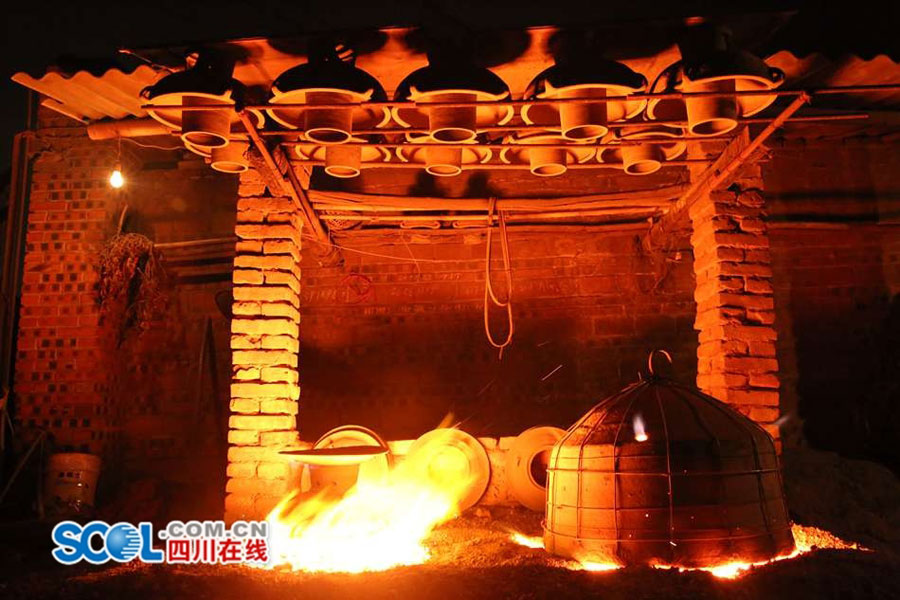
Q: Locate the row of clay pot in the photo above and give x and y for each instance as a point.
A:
(452, 454)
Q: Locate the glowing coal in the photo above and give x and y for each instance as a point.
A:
(807, 539)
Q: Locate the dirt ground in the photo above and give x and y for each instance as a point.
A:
(473, 557)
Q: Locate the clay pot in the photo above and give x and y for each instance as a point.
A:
(230, 158)
(644, 159)
(452, 124)
(327, 82)
(439, 161)
(458, 83)
(328, 125)
(545, 162)
(592, 78)
(586, 121)
(205, 128)
(711, 116)
(342, 160)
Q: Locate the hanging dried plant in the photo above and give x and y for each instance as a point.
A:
(130, 291)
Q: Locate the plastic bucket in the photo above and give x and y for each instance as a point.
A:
(72, 477)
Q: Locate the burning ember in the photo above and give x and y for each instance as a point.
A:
(538, 542)
(527, 540)
(377, 525)
(806, 539)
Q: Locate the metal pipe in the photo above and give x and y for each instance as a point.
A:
(561, 214)
(855, 89)
(296, 133)
(652, 141)
(501, 166)
(110, 130)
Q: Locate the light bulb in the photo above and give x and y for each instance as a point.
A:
(116, 179)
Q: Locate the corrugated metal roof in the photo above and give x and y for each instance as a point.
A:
(116, 94)
(84, 96)
(818, 71)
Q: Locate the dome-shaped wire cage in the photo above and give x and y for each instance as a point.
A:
(661, 473)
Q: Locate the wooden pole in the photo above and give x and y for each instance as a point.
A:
(291, 186)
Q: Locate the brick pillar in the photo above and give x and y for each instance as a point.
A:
(264, 343)
(735, 307)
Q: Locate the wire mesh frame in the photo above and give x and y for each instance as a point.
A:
(684, 394)
(748, 422)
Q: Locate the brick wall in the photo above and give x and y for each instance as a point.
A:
(397, 344)
(61, 362)
(136, 403)
(838, 312)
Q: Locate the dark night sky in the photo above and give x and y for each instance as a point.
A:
(40, 33)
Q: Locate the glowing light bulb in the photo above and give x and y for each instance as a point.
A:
(116, 179)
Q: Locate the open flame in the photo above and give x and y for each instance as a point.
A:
(806, 539)
(377, 525)
(640, 430)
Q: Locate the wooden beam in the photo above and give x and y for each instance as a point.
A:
(533, 216)
(721, 173)
(658, 197)
(289, 183)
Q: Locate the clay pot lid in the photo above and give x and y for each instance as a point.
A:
(460, 443)
(332, 75)
(576, 152)
(420, 224)
(336, 456)
(198, 84)
(369, 154)
(528, 487)
(370, 117)
(614, 78)
(750, 74)
(173, 117)
(423, 85)
(203, 78)
(352, 437)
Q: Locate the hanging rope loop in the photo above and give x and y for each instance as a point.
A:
(657, 352)
(490, 296)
